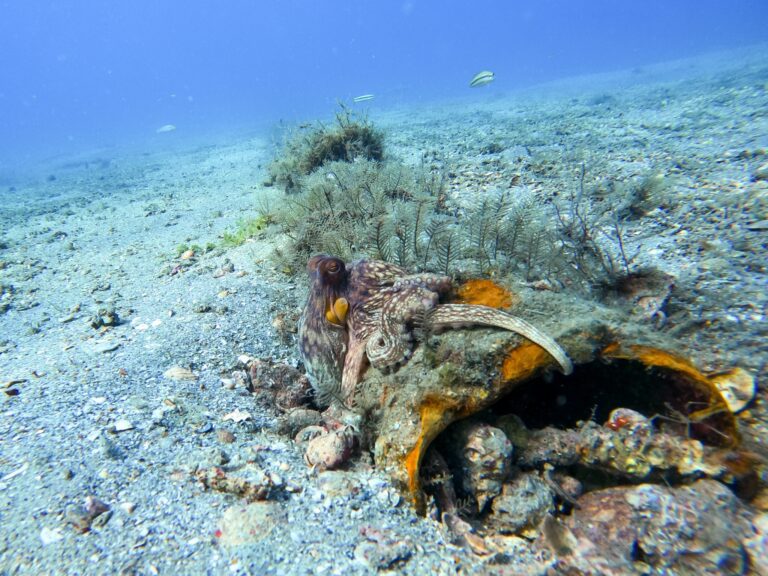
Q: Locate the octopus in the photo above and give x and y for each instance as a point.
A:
(370, 312)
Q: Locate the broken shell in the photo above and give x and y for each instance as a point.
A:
(179, 373)
(737, 387)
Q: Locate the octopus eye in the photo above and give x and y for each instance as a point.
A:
(332, 271)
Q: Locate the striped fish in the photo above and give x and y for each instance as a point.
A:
(482, 78)
(362, 98)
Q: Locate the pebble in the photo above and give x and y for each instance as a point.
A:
(247, 524)
(335, 483)
(761, 173)
(225, 436)
(383, 550)
(122, 425)
(49, 535)
(104, 347)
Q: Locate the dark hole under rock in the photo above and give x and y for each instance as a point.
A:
(594, 390)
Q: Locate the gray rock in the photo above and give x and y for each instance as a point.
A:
(522, 504)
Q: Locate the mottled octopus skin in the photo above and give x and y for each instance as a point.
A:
(368, 310)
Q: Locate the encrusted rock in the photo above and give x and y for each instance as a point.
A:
(480, 458)
(697, 529)
(627, 445)
(279, 384)
(246, 524)
(294, 420)
(382, 549)
(522, 505)
(330, 450)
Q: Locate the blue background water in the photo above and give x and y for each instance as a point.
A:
(87, 73)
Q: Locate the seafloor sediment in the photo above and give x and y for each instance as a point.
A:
(126, 320)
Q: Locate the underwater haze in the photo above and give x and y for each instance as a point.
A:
(82, 75)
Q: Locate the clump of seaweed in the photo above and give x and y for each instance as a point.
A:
(362, 208)
(351, 138)
(591, 239)
(344, 199)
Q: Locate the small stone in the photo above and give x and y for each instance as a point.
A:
(128, 507)
(761, 173)
(187, 255)
(383, 550)
(757, 544)
(297, 419)
(246, 524)
(122, 425)
(335, 483)
(225, 436)
(104, 347)
(49, 536)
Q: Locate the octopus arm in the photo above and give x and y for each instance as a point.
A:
(458, 315)
(354, 364)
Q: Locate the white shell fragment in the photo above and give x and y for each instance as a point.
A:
(237, 416)
(737, 386)
(179, 373)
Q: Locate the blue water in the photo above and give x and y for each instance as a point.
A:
(82, 74)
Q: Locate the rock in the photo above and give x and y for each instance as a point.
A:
(94, 513)
(336, 483)
(106, 346)
(246, 524)
(479, 456)
(757, 544)
(382, 549)
(761, 172)
(225, 436)
(696, 529)
(49, 536)
(522, 505)
(297, 419)
(331, 450)
(279, 383)
(122, 425)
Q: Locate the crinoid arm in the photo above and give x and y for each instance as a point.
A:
(461, 315)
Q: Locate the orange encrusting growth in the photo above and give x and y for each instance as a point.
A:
(482, 292)
(524, 361)
(433, 413)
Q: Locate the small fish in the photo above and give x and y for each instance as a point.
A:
(362, 98)
(482, 78)
(166, 128)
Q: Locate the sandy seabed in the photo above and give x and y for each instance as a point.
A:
(87, 411)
